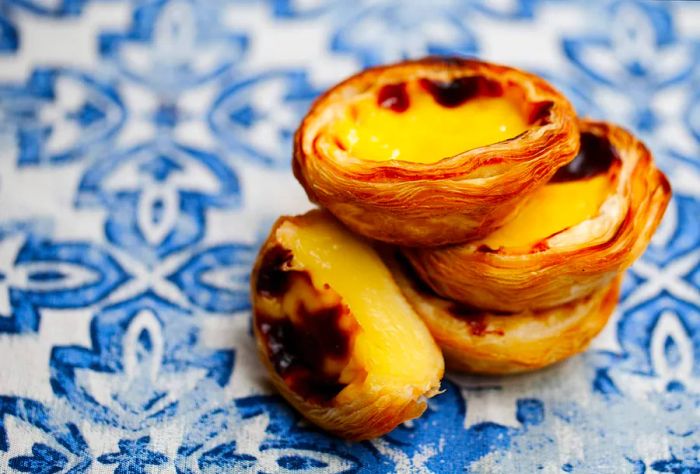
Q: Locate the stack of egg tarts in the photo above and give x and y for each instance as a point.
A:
(467, 214)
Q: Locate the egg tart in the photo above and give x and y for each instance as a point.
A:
(336, 334)
(434, 151)
(494, 342)
(571, 237)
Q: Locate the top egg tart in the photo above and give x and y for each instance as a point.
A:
(434, 151)
(574, 235)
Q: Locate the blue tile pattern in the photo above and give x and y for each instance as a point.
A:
(144, 151)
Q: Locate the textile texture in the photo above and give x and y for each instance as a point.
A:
(145, 151)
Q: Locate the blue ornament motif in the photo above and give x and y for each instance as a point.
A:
(60, 115)
(9, 37)
(692, 121)
(157, 196)
(659, 370)
(661, 347)
(615, 57)
(137, 253)
(218, 278)
(637, 54)
(291, 9)
(174, 45)
(53, 9)
(147, 362)
(256, 117)
(509, 10)
(36, 273)
(134, 456)
(261, 434)
(395, 31)
(578, 93)
(64, 448)
(679, 234)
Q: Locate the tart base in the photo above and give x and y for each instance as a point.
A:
(490, 342)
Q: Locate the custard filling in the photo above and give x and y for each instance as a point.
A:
(392, 347)
(425, 121)
(573, 195)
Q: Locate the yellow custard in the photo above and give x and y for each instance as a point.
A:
(393, 346)
(553, 208)
(423, 130)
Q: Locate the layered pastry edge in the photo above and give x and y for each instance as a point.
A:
(572, 262)
(452, 200)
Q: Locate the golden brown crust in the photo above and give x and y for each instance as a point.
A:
(485, 342)
(570, 264)
(360, 410)
(456, 199)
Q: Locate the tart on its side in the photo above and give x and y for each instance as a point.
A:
(434, 151)
(570, 238)
(337, 336)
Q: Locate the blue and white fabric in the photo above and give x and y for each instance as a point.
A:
(145, 152)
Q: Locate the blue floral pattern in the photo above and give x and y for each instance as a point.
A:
(61, 115)
(9, 39)
(136, 184)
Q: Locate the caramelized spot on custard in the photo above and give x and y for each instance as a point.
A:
(389, 342)
(273, 278)
(300, 352)
(310, 337)
(459, 90)
(394, 97)
(595, 157)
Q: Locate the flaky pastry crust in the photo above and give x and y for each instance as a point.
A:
(570, 264)
(453, 200)
(358, 410)
(487, 342)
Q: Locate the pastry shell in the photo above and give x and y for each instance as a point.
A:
(488, 342)
(453, 200)
(567, 265)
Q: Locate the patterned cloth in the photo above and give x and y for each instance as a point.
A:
(144, 152)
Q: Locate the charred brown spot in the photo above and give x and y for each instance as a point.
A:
(298, 352)
(486, 249)
(457, 91)
(301, 346)
(273, 275)
(477, 326)
(539, 113)
(595, 157)
(476, 318)
(394, 97)
(542, 245)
